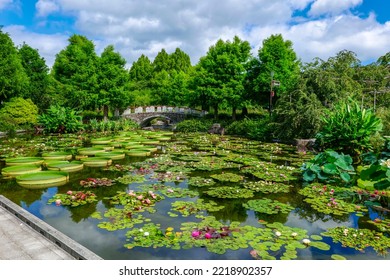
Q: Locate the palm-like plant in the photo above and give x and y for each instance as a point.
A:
(348, 129)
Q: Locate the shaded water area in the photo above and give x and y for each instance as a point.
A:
(197, 197)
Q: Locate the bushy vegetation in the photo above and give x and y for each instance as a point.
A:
(18, 113)
(258, 129)
(58, 119)
(194, 125)
(348, 128)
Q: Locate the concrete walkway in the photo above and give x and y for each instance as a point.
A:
(25, 237)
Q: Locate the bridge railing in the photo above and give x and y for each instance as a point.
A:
(163, 109)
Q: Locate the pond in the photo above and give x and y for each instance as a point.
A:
(158, 195)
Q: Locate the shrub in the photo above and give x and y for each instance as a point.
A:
(18, 113)
(348, 129)
(60, 119)
(258, 129)
(194, 125)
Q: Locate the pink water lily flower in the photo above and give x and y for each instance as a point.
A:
(207, 235)
(195, 233)
(69, 192)
(58, 202)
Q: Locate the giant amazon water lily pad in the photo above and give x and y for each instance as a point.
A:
(96, 161)
(43, 179)
(17, 170)
(102, 140)
(23, 160)
(112, 155)
(57, 155)
(65, 166)
(138, 153)
(90, 151)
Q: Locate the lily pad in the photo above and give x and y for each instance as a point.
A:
(65, 166)
(57, 155)
(96, 161)
(23, 161)
(229, 192)
(17, 170)
(43, 179)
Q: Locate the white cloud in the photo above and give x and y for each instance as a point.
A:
(333, 7)
(47, 45)
(138, 27)
(5, 3)
(46, 7)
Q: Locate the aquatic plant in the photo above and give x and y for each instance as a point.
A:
(268, 206)
(360, 239)
(73, 198)
(130, 178)
(198, 207)
(96, 182)
(267, 187)
(197, 181)
(229, 192)
(227, 177)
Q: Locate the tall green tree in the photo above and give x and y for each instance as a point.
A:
(13, 79)
(141, 73)
(161, 62)
(278, 61)
(224, 69)
(335, 79)
(113, 81)
(76, 68)
(38, 73)
(180, 61)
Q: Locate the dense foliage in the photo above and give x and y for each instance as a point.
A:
(227, 80)
(18, 113)
(59, 119)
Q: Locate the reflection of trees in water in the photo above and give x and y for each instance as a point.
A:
(233, 210)
(280, 217)
(18, 194)
(82, 212)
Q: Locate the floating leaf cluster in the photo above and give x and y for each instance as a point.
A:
(227, 177)
(96, 182)
(230, 192)
(268, 206)
(73, 198)
(197, 181)
(186, 208)
(267, 187)
(360, 239)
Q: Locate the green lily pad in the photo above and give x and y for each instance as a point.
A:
(43, 179)
(17, 170)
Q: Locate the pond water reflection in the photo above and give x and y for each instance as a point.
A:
(192, 177)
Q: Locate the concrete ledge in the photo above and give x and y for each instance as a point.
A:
(75, 249)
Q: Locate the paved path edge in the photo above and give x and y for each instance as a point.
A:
(72, 247)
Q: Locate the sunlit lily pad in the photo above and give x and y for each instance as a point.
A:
(23, 161)
(57, 155)
(96, 161)
(227, 177)
(43, 179)
(268, 206)
(16, 170)
(72, 166)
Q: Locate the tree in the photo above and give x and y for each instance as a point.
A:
(112, 81)
(180, 61)
(141, 73)
(333, 80)
(76, 68)
(223, 70)
(13, 79)
(38, 73)
(161, 62)
(278, 61)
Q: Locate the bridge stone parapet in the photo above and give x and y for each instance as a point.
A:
(144, 114)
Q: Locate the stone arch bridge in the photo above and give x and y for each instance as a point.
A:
(143, 115)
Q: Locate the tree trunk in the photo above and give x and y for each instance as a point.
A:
(234, 113)
(244, 111)
(216, 111)
(105, 113)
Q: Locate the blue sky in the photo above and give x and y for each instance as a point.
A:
(317, 28)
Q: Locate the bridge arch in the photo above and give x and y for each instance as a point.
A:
(144, 114)
(148, 119)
